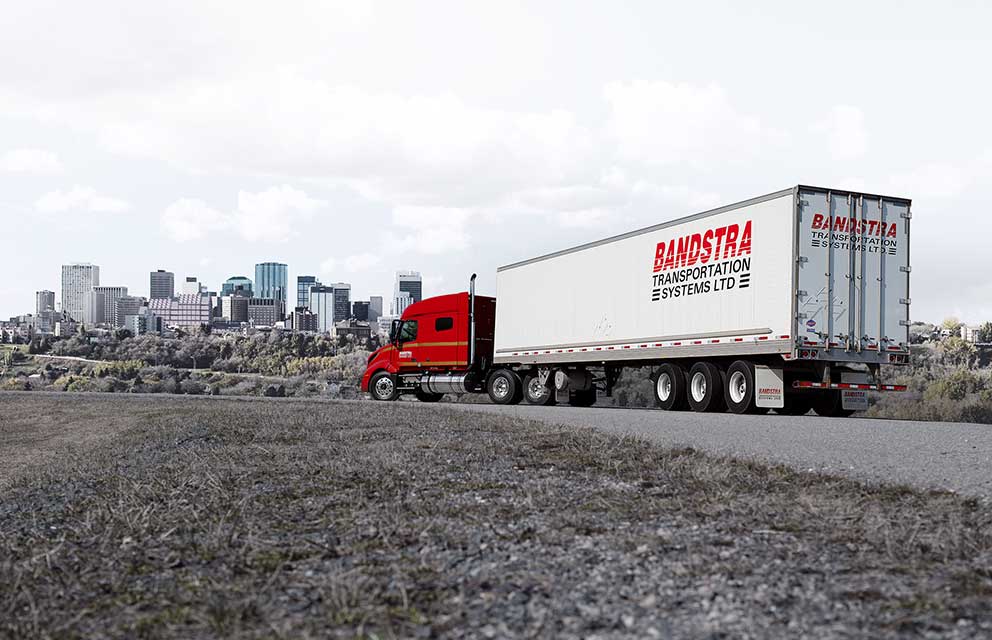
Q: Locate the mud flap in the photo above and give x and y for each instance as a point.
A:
(854, 399)
(769, 383)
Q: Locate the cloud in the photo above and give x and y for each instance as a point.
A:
(189, 219)
(430, 230)
(30, 161)
(273, 215)
(845, 131)
(79, 198)
(352, 264)
(662, 123)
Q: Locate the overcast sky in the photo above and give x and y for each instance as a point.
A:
(351, 139)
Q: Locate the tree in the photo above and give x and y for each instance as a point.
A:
(957, 352)
(952, 324)
(985, 333)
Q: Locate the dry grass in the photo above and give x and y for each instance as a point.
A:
(254, 518)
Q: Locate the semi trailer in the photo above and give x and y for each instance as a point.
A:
(790, 301)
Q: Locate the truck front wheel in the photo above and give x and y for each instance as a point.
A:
(706, 388)
(382, 386)
(504, 387)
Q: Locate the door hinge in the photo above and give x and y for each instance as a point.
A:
(801, 316)
(907, 215)
(905, 323)
(905, 300)
(804, 203)
(801, 292)
(802, 259)
(905, 269)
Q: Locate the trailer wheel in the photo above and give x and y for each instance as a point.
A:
(830, 404)
(706, 388)
(424, 396)
(669, 387)
(740, 387)
(382, 386)
(584, 398)
(796, 404)
(504, 387)
(537, 393)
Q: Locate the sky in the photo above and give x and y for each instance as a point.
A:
(354, 139)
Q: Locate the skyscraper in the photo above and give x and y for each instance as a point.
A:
(409, 289)
(110, 297)
(44, 301)
(272, 281)
(162, 285)
(191, 286)
(303, 284)
(322, 304)
(127, 306)
(342, 301)
(78, 281)
(375, 308)
(239, 284)
(360, 310)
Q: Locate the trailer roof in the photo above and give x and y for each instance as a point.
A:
(696, 216)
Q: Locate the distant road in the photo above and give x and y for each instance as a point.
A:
(929, 455)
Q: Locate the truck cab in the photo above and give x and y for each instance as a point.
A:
(439, 345)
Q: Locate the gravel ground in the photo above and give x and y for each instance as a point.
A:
(260, 518)
(927, 455)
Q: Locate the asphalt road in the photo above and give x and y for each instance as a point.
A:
(929, 455)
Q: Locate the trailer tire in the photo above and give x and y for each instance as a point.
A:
(670, 387)
(504, 387)
(382, 387)
(537, 393)
(425, 396)
(830, 404)
(706, 388)
(584, 398)
(796, 405)
(739, 387)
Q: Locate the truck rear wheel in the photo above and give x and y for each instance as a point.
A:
(830, 404)
(382, 387)
(669, 387)
(584, 398)
(504, 387)
(537, 393)
(740, 387)
(706, 388)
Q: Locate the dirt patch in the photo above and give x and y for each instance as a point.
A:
(256, 518)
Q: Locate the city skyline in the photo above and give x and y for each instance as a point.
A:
(261, 141)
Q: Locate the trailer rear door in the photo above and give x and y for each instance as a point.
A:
(853, 266)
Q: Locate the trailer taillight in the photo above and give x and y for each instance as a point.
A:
(898, 358)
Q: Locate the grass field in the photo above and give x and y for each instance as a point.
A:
(197, 517)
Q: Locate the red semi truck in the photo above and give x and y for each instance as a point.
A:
(790, 301)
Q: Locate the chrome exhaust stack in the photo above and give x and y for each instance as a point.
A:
(471, 322)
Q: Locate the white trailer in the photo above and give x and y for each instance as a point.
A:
(789, 301)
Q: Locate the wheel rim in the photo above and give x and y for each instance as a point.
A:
(537, 390)
(664, 387)
(738, 387)
(698, 387)
(384, 387)
(501, 387)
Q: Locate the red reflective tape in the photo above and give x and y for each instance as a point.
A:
(738, 339)
(657, 344)
(644, 346)
(784, 337)
(677, 344)
(714, 341)
(895, 348)
(627, 347)
(762, 337)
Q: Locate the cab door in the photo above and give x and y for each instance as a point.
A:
(407, 346)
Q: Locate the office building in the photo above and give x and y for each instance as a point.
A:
(401, 300)
(192, 286)
(77, 282)
(94, 309)
(375, 308)
(110, 297)
(162, 284)
(361, 330)
(272, 281)
(360, 310)
(342, 301)
(44, 301)
(263, 312)
(234, 308)
(127, 306)
(322, 304)
(186, 311)
(237, 284)
(302, 319)
(303, 284)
